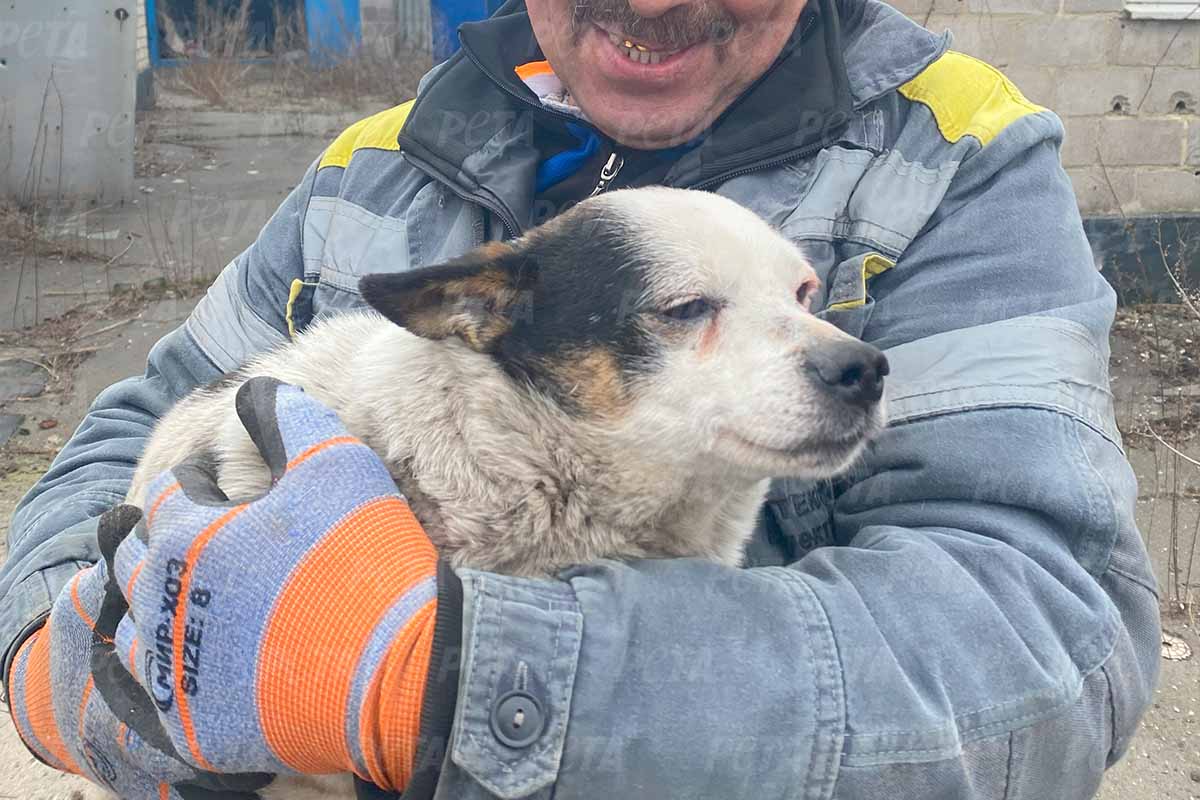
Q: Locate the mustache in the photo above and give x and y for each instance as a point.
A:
(680, 27)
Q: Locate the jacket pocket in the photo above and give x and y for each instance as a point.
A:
(522, 644)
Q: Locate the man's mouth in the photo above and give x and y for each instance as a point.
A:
(639, 52)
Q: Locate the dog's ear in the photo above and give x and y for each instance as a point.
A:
(472, 297)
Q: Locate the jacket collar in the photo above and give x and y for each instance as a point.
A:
(472, 123)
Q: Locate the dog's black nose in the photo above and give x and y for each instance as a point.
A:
(852, 371)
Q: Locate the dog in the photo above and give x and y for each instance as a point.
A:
(620, 382)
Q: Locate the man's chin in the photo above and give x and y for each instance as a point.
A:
(647, 126)
(648, 114)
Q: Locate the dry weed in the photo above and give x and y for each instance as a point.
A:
(230, 65)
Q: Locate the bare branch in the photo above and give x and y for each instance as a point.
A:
(1169, 446)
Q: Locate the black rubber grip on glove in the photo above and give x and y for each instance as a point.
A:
(255, 404)
(123, 695)
(126, 699)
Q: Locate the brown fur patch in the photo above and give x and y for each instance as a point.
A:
(493, 251)
(472, 308)
(591, 381)
(481, 333)
(471, 297)
(495, 284)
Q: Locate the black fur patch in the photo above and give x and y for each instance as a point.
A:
(559, 309)
(575, 334)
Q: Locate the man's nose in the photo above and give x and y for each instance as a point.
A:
(852, 371)
(655, 8)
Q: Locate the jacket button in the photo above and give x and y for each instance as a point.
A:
(517, 719)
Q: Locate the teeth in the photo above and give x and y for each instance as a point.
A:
(639, 52)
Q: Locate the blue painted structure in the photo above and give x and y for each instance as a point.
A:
(334, 30)
(447, 15)
(152, 32)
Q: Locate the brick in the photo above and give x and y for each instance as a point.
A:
(1171, 86)
(1036, 83)
(1155, 42)
(1093, 90)
(966, 31)
(1055, 41)
(1094, 191)
(1079, 145)
(1141, 142)
(1168, 190)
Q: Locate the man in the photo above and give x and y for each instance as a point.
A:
(971, 615)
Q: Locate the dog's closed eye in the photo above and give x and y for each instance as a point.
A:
(689, 310)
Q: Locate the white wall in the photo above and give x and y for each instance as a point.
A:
(67, 87)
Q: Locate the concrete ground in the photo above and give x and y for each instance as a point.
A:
(121, 352)
(216, 177)
(207, 180)
(206, 183)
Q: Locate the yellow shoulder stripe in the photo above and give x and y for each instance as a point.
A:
(378, 132)
(968, 97)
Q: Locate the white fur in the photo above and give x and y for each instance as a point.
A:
(503, 479)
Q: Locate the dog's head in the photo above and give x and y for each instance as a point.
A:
(667, 319)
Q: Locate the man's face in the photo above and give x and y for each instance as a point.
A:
(655, 73)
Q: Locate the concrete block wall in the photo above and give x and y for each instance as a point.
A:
(1128, 90)
(145, 74)
(142, 57)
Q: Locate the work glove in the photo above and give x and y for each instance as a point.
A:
(68, 724)
(290, 633)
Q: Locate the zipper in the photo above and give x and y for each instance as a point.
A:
(511, 227)
(609, 172)
(795, 155)
(615, 161)
(612, 167)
